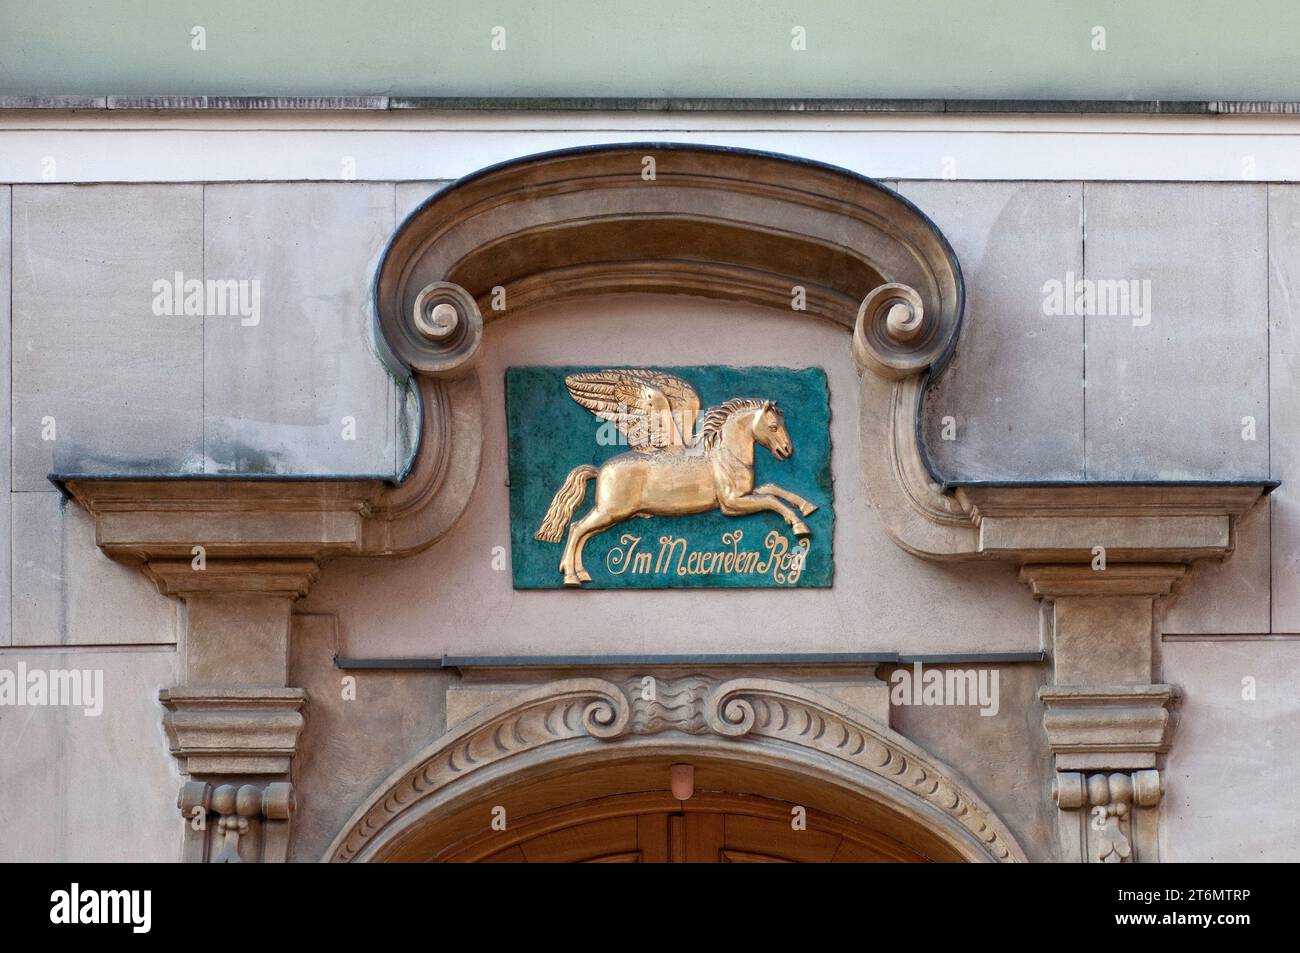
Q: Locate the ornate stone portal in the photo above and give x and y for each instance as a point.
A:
(714, 223)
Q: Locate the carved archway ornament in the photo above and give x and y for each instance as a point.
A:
(762, 721)
(719, 223)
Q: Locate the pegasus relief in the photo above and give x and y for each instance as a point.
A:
(672, 469)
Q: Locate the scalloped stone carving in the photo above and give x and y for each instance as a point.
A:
(741, 709)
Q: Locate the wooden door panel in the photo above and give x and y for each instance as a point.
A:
(615, 835)
(744, 857)
(761, 835)
(714, 828)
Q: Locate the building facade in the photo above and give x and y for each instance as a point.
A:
(959, 525)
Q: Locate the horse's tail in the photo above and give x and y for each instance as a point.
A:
(567, 498)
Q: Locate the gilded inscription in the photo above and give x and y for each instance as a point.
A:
(674, 556)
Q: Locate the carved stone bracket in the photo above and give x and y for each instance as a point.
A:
(236, 823)
(1108, 818)
(237, 744)
(233, 731)
(1103, 716)
(1106, 727)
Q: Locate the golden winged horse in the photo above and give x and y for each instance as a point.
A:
(671, 470)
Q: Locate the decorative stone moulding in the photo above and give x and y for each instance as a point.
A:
(443, 336)
(236, 823)
(719, 223)
(563, 725)
(1108, 818)
(233, 731)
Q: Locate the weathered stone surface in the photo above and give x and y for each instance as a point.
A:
(36, 545)
(67, 592)
(1229, 595)
(301, 390)
(410, 195)
(1231, 777)
(6, 440)
(350, 744)
(1001, 754)
(1015, 389)
(1167, 400)
(1284, 398)
(87, 788)
(122, 385)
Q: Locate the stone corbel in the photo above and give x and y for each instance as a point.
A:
(1107, 725)
(1108, 818)
(236, 823)
(233, 732)
(237, 745)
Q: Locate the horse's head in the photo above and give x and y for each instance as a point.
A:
(769, 430)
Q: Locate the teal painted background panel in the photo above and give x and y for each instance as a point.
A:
(550, 434)
(969, 49)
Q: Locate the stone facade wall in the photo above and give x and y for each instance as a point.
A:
(1034, 397)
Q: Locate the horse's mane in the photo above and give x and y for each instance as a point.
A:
(715, 417)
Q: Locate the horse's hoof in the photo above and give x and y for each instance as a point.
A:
(808, 509)
(584, 576)
(571, 580)
(801, 530)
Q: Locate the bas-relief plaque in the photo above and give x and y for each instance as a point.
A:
(669, 477)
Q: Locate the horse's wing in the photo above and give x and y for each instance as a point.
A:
(632, 400)
(683, 402)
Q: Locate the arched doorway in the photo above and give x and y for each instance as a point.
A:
(714, 825)
(579, 769)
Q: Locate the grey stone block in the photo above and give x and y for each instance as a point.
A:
(6, 456)
(1231, 596)
(1167, 399)
(410, 195)
(1231, 777)
(120, 386)
(89, 788)
(36, 545)
(1015, 388)
(300, 390)
(67, 592)
(1284, 398)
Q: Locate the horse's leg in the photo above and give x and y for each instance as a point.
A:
(594, 522)
(735, 505)
(566, 560)
(806, 508)
(578, 568)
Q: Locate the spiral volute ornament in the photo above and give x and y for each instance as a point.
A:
(442, 333)
(895, 336)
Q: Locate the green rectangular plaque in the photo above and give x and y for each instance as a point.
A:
(670, 477)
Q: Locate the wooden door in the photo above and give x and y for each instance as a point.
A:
(711, 828)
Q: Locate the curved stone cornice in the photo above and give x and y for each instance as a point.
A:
(420, 509)
(554, 722)
(663, 217)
